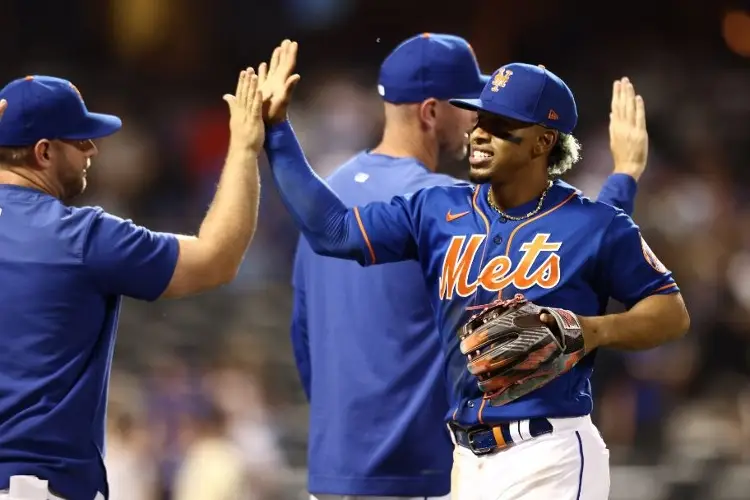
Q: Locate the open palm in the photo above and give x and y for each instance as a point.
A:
(245, 123)
(276, 81)
(628, 136)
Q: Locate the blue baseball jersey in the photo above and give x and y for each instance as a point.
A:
(369, 356)
(63, 272)
(574, 254)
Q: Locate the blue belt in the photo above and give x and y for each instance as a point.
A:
(485, 439)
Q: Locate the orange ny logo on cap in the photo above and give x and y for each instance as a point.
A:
(501, 79)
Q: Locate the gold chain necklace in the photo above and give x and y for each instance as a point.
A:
(511, 217)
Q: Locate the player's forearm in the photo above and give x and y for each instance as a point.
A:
(231, 220)
(653, 321)
(329, 226)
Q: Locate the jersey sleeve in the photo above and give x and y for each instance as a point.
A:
(371, 234)
(387, 231)
(619, 191)
(126, 259)
(627, 268)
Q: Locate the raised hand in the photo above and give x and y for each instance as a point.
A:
(277, 81)
(246, 128)
(628, 138)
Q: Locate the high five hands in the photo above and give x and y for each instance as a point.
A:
(260, 99)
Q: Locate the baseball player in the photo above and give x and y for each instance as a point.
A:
(64, 271)
(519, 270)
(365, 339)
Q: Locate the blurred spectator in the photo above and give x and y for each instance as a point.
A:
(130, 457)
(240, 397)
(212, 468)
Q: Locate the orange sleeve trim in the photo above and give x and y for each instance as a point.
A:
(665, 287)
(364, 235)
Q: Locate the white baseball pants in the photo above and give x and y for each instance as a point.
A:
(570, 463)
(31, 488)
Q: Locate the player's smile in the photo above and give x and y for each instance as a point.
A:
(481, 157)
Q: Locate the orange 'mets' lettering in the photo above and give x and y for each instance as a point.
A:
(499, 272)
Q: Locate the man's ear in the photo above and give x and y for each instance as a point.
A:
(42, 152)
(428, 112)
(546, 141)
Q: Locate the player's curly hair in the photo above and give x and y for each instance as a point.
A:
(565, 153)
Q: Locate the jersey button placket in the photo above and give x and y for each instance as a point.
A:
(499, 237)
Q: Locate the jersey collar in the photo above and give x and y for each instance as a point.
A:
(558, 193)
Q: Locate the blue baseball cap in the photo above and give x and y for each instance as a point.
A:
(430, 65)
(46, 107)
(527, 93)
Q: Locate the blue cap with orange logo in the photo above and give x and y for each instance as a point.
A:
(527, 93)
(430, 65)
(46, 107)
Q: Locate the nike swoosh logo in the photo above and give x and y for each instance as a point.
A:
(449, 217)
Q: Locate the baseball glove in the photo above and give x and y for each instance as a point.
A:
(512, 351)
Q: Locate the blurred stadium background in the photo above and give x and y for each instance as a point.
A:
(205, 386)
